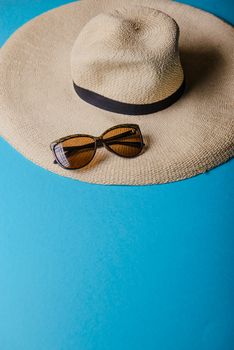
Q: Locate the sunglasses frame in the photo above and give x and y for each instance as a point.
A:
(96, 140)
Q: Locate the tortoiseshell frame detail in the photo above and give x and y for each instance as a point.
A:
(98, 142)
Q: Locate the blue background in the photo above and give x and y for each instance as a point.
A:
(91, 267)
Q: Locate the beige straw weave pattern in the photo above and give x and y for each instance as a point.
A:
(130, 55)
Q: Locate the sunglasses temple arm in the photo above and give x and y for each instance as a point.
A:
(116, 137)
(100, 144)
(99, 141)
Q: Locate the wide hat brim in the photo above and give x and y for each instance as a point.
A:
(38, 103)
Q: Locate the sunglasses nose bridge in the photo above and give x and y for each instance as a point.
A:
(99, 141)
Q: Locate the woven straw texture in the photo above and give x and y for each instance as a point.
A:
(130, 55)
(38, 103)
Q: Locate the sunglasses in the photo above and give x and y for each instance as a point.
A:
(77, 151)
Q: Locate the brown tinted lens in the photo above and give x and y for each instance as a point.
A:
(125, 141)
(75, 152)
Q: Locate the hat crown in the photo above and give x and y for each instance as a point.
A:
(129, 55)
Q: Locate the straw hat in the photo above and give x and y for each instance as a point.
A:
(87, 66)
